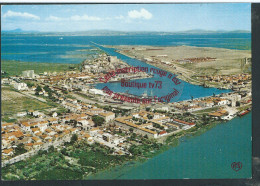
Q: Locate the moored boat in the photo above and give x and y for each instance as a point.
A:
(244, 112)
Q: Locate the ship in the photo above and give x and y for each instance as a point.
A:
(244, 112)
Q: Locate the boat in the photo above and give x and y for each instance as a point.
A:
(242, 113)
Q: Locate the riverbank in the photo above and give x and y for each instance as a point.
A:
(189, 62)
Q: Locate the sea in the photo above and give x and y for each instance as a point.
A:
(208, 155)
(203, 156)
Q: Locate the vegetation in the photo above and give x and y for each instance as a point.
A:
(20, 149)
(98, 120)
(208, 110)
(13, 68)
(74, 138)
(14, 102)
(73, 163)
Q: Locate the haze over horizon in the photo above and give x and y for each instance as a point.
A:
(127, 17)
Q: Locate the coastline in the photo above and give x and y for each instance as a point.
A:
(175, 142)
(182, 71)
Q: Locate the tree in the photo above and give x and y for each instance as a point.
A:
(150, 116)
(98, 120)
(51, 149)
(205, 119)
(131, 129)
(38, 89)
(148, 109)
(20, 149)
(64, 151)
(237, 104)
(74, 138)
(30, 84)
(133, 135)
(46, 88)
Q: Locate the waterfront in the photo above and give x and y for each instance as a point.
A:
(206, 155)
(186, 90)
(74, 49)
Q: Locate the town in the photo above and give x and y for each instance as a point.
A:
(85, 113)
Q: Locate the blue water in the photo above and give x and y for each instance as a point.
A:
(208, 155)
(52, 49)
(186, 90)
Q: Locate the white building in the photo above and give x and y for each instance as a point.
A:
(21, 114)
(97, 91)
(20, 86)
(112, 59)
(28, 74)
(108, 116)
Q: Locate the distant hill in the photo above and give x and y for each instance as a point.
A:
(15, 30)
(122, 33)
(200, 31)
(18, 30)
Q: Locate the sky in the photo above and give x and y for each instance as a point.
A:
(127, 17)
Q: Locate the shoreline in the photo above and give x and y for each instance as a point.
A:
(173, 142)
(182, 72)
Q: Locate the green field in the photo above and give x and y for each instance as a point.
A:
(55, 165)
(13, 68)
(13, 102)
(204, 111)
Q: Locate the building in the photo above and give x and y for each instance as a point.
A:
(112, 59)
(123, 123)
(28, 74)
(21, 114)
(108, 116)
(20, 86)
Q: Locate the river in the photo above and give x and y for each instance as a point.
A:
(186, 90)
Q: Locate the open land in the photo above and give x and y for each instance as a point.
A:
(188, 62)
(13, 68)
(14, 102)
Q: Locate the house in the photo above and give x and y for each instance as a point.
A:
(221, 101)
(37, 145)
(21, 114)
(5, 125)
(162, 133)
(74, 130)
(20, 86)
(5, 143)
(96, 110)
(108, 116)
(94, 131)
(53, 120)
(207, 103)
(28, 146)
(36, 139)
(25, 126)
(8, 152)
(36, 113)
(54, 114)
